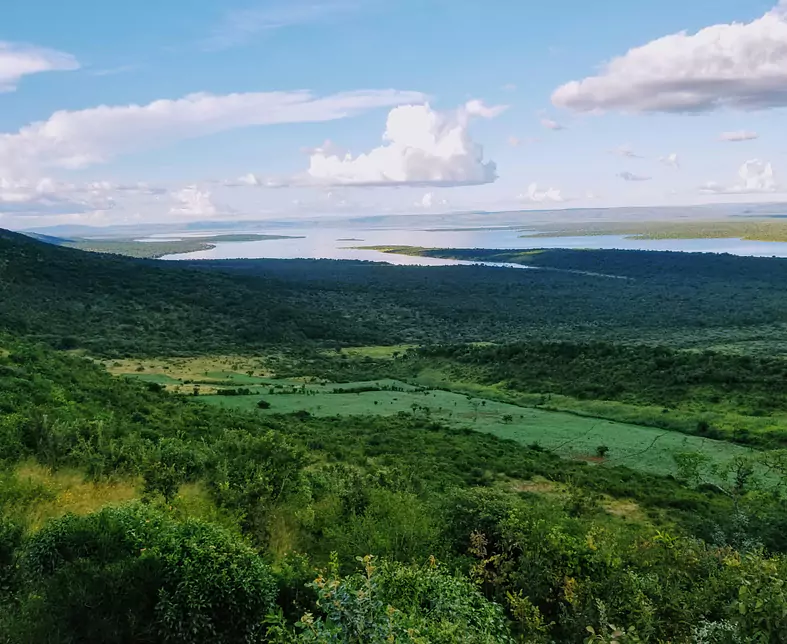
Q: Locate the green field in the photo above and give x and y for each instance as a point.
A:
(572, 436)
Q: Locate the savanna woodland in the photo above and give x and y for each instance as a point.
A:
(594, 450)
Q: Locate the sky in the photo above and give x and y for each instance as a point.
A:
(118, 113)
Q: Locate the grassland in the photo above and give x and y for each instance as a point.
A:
(574, 433)
(154, 250)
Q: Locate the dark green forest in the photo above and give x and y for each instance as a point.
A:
(129, 513)
(120, 306)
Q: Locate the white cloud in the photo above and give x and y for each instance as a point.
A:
(736, 65)
(50, 197)
(18, 60)
(421, 147)
(536, 195)
(509, 87)
(671, 160)
(629, 176)
(740, 135)
(551, 124)
(626, 151)
(755, 176)
(96, 135)
(478, 108)
(255, 181)
(193, 202)
(429, 201)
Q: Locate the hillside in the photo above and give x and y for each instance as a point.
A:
(107, 304)
(131, 514)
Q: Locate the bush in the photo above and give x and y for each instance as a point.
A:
(263, 404)
(133, 575)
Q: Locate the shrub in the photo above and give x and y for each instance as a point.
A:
(132, 574)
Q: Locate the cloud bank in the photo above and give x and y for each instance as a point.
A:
(18, 60)
(422, 147)
(76, 139)
(741, 66)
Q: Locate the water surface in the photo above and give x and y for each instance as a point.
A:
(334, 243)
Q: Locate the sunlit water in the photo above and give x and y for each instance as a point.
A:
(342, 244)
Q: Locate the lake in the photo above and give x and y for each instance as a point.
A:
(337, 243)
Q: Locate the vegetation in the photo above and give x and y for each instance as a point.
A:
(156, 249)
(270, 482)
(117, 306)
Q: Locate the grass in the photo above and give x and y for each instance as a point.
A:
(569, 435)
(47, 494)
(569, 427)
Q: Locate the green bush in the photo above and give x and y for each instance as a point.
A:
(391, 602)
(133, 575)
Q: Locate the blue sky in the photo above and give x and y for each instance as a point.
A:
(222, 126)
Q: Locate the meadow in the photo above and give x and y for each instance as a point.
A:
(576, 436)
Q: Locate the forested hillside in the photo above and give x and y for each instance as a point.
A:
(119, 306)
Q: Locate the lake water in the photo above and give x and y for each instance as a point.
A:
(333, 243)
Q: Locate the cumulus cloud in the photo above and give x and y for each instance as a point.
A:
(76, 139)
(740, 135)
(193, 202)
(429, 201)
(630, 176)
(478, 108)
(551, 124)
(535, 194)
(754, 176)
(671, 160)
(421, 147)
(742, 66)
(18, 60)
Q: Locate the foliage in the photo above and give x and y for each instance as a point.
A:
(120, 306)
(389, 602)
(132, 574)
